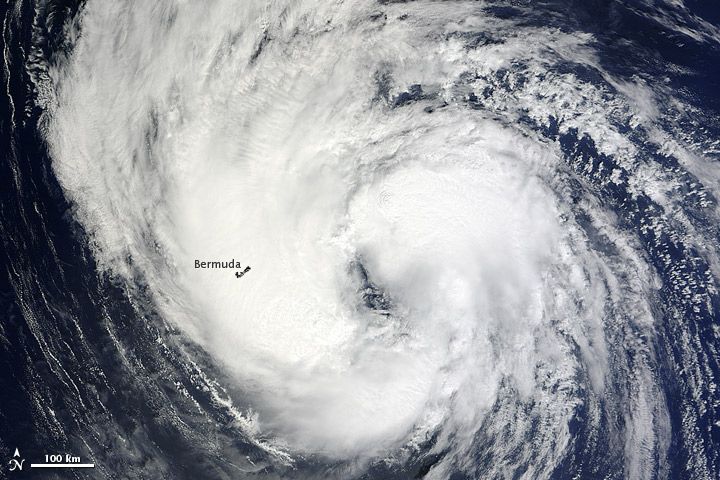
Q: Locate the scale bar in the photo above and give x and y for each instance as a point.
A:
(62, 465)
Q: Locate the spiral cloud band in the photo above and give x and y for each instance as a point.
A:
(461, 241)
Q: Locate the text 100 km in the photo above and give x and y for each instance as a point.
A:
(57, 458)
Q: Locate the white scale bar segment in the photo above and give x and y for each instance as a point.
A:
(62, 465)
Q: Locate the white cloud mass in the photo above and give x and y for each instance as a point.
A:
(415, 262)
